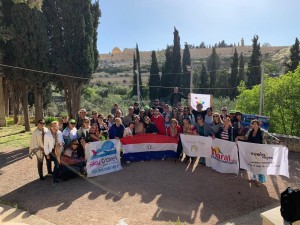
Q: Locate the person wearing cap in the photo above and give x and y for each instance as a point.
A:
(129, 117)
(157, 105)
(70, 133)
(258, 136)
(176, 97)
(136, 108)
(81, 117)
(37, 146)
(53, 147)
(223, 113)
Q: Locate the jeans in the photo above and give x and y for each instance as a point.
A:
(56, 166)
(261, 178)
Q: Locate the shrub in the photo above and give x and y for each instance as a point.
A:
(50, 119)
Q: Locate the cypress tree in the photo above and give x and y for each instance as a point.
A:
(71, 28)
(176, 60)
(204, 79)
(154, 79)
(166, 78)
(213, 64)
(138, 61)
(185, 77)
(254, 69)
(234, 75)
(294, 57)
(134, 68)
(241, 75)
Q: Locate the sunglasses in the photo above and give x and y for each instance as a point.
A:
(42, 123)
(224, 110)
(215, 116)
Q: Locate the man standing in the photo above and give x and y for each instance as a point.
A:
(176, 97)
(129, 117)
(157, 106)
(53, 145)
(37, 147)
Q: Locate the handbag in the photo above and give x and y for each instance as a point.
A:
(290, 205)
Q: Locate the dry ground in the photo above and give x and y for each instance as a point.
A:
(155, 192)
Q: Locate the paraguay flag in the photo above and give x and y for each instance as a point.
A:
(149, 146)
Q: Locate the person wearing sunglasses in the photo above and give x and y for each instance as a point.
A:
(71, 164)
(36, 147)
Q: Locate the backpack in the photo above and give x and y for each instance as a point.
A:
(290, 205)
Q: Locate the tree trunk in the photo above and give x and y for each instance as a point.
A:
(2, 104)
(72, 95)
(25, 108)
(38, 103)
(6, 98)
(15, 96)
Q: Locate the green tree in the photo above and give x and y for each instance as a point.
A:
(233, 80)
(241, 76)
(294, 58)
(134, 68)
(154, 79)
(176, 59)
(201, 82)
(254, 68)
(213, 64)
(281, 102)
(71, 28)
(185, 77)
(166, 81)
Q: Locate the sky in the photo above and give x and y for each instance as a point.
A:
(150, 23)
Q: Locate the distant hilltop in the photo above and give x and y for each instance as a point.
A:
(126, 56)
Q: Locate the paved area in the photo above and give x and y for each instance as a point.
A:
(155, 192)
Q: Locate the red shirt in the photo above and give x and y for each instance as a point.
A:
(179, 130)
(159, 123)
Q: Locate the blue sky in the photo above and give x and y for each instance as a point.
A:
(150, 23)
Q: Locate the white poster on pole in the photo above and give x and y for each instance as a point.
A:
(200, 98)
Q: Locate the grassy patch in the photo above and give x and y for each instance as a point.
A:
(14, 137)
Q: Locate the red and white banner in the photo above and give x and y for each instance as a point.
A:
(196, 146)
(102, 157)
(224, 156)
(264, 158)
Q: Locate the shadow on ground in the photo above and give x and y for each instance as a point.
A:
(176, 191)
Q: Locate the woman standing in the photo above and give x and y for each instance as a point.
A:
(217, 123)
(258, 136)
(226, 132)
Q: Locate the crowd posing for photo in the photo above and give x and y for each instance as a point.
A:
(64, 142)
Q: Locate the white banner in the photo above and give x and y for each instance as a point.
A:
(200, 98)
(102, 157)
(264, 159)
(196, 146)
(224, 156)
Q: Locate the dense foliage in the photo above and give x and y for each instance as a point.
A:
(281, 102)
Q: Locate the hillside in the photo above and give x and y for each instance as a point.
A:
(116, 67)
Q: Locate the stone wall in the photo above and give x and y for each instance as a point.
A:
(292, 142)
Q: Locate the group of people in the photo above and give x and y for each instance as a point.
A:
(65, 140)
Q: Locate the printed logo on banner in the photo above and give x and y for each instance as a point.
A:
(199, 101)
(218, 155)
(261, 155)
(108, 148)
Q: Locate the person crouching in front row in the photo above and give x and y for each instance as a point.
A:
(71, 164)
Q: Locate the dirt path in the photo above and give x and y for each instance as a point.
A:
(154, 192)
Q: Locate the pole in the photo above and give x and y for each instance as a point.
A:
(261, 98)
